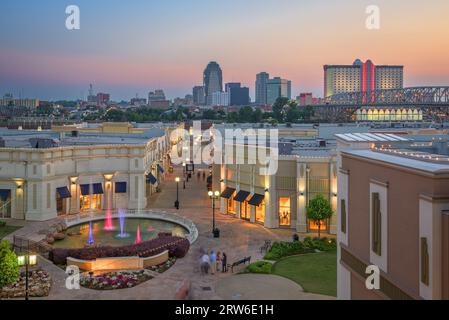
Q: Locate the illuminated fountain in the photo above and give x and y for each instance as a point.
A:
(138, 238)
(108, 225)
(90, 240)
(121, 217)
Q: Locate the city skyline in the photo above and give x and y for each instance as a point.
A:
(43, 59)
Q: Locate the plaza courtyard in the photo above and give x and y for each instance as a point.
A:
(238, 239)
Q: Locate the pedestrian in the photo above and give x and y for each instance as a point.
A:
(218, 260)
(224, 261)
(205, 264)
(204, 175)
(213, 262)
(198, 176)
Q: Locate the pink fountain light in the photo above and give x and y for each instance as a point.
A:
(108, 225)
(138, 238)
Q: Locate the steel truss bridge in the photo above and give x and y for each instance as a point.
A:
(432, 101)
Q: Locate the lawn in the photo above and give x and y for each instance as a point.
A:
(5, 230)
(315, 272)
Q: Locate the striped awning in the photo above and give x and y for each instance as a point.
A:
(97, 188)
(160, 169)
(63, 192)
(256, 199)
(242, 196)
(227, 193)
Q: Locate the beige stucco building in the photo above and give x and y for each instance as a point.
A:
(46, 174)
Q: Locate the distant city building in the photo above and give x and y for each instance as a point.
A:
(102, 99)
(221, 99)
(187, 101)
(199, 96)
(306, 99)
(91, 97)
(213, 81)
(261, 88)
(238, 95)
(8, 100)
(361, 77)
(157, 100)
(138, 102)
(277, 88)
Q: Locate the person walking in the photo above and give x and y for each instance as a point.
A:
(218, 260)
(205, 264)
(213, 262)
(224, 261)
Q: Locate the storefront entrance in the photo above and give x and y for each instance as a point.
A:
(91, 196)
(284, 211)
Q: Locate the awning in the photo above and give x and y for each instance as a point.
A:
(63, 192)
(120, 187)
(85, 189)
(97, 188)
(160, 169)
(242, 196)
(227, 193)
(256, 199)
(152, 179)
(4, 194)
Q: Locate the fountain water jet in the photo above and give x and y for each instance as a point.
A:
(90, 241)
(138, 238)
(121, 215)
(108, 225)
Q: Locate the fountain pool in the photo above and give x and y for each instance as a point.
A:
(123, 232)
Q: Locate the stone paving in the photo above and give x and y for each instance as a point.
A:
(238, 239)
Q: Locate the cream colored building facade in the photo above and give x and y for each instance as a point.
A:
(40, 184)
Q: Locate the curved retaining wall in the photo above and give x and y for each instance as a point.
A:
(119, 263)
(145, 214)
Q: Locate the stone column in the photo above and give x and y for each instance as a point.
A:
(271, 219)
(301, 218)
(74, 207)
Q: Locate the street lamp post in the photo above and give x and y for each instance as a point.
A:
(27, 260)
(214, 195)
(184, 174)
(177, 193)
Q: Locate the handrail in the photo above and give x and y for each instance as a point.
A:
(2, 208)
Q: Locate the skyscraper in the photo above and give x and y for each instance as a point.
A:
(213, 80)
(361, 76)
(261, 87)
(238, 95)
(277, 88)
(199, 97)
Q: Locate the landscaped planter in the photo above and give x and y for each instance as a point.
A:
(39, 284)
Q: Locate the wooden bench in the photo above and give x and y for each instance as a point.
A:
(237, 263)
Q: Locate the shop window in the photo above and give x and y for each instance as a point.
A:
(260, 213)
(284, 211)
(231, 205)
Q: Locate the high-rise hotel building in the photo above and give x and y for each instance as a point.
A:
(361, 76)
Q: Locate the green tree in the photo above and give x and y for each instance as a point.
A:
(293, 113)
(246, 114)
(209, 114)
(278, 108)
(319, 209)
(9, 267)
(257, 115)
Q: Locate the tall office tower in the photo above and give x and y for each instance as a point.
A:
(102, 98)
(261, 87)
(199, 97)
(361, 76)
(238, 95)
(220, 99)
(157, 95)
(91, 96)
(277, 88)
(213, 80)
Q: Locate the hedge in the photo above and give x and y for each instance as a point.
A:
(177, 247)
(285, 249)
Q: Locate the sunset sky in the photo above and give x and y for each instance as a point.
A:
(129, 47)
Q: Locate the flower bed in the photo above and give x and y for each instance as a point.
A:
(39, 284)
(115, 280)
(163, 267)
(177, 247)
(285, 249)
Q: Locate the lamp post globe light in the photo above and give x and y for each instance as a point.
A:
(177, 193)
(214, 196)
(27, 260)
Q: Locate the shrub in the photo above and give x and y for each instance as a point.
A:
(2, 224)
(9, 267)
(177, 247)
(285, 249)
(259, 267)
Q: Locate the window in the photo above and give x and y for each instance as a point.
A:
(424, 262)
(284, 211)
(343, 215)
(231, 205)
(260, 213)
(376, 224)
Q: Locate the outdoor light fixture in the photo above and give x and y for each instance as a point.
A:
(27, 260)
(301, 194)
(214, 196)
(266, 190)
(177, 179)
